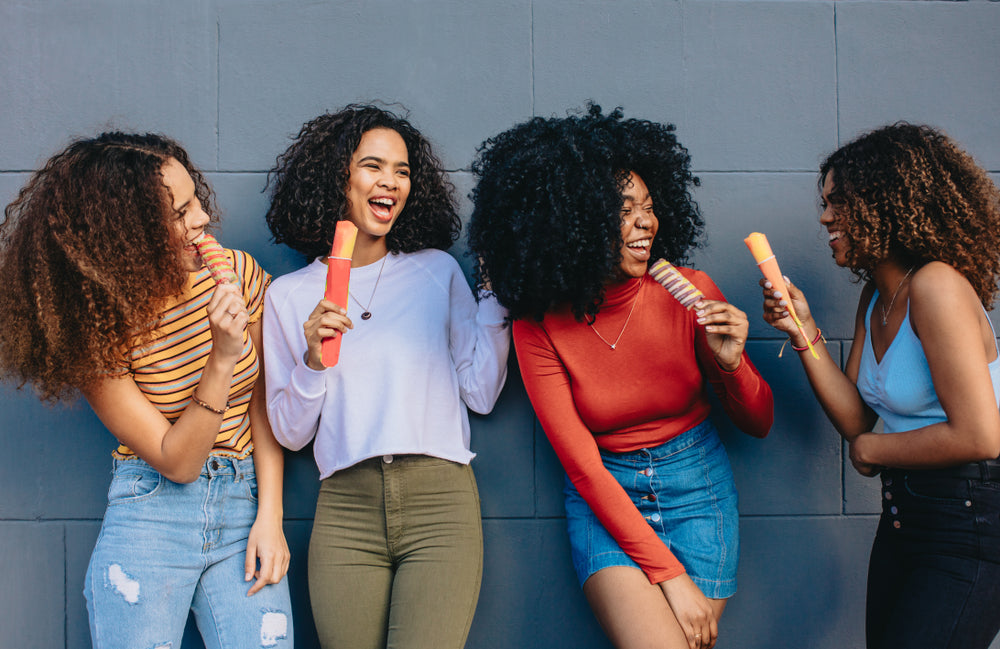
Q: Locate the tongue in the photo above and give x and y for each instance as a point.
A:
(379, 209)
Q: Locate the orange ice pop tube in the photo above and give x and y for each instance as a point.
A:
(338, 276)
(761, 251)
(215, 258)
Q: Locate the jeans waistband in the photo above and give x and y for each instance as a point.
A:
(986, 470)
(214, 465)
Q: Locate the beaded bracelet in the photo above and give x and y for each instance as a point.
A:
(204, 405)
(819, 334)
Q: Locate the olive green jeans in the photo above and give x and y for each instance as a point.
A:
(396, 555)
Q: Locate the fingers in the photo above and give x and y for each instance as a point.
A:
(273, 566)
(722, 318)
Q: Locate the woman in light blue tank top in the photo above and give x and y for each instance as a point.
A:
(914, 217)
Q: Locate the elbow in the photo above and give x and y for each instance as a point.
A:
(986, 447)
(182, 476)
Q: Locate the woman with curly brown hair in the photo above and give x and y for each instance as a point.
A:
(913, 216)
(569, 214)
(105, 294)
(395, 557)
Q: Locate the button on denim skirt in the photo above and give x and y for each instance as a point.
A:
(684, 489)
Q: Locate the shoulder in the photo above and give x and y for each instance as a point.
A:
(289, 282)
(938, 289)
(701, 280)
(432, 259)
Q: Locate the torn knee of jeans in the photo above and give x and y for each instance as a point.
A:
(123, 583)
(164, 646)
(273, 627)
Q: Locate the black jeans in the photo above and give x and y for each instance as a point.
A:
(934, 573)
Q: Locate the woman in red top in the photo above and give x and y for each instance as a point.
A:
(568, 215)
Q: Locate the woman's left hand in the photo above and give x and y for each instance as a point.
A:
(726, 329)
(266, 544)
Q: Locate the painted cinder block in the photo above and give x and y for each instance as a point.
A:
(31, 598)
(75, 69)
(925, 62)
(64, 435)
(462, 68)
(759, 84)
(626, 54)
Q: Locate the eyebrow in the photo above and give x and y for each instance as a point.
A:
(381, 161)
(631, 197)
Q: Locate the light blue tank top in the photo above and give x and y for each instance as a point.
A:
(899, 389)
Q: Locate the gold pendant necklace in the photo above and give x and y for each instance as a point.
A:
(635, 301)
(366, 315)
(887, 311)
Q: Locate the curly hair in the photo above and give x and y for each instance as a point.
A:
(87, 256)
(309, 183)
(546, 222)
(909, 192)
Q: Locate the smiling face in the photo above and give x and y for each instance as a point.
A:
(378, 184)
(639, 225)
(189, 218)
(833, 218)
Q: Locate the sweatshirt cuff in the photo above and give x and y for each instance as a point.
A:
(490, 312)
(307, 382)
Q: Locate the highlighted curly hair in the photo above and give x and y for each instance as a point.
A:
(546, 222)
(87, 256)
(308, 185)
(909, 192)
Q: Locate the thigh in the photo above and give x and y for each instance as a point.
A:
(439, 557)
(228, 619)
(350, 572)
(142, 573)
(634, 613)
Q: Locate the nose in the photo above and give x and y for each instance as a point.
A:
(197, 218)
(387, 179)
(643, 219)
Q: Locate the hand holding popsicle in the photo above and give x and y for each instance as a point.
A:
(338, 275)
(761, 250)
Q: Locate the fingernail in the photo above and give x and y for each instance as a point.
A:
(786, 279)
(247, 577)
(778, 294)
(701, 320)
(783, 303)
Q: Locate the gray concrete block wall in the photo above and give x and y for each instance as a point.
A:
(759, 91)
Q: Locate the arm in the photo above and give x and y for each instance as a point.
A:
(720, 348)
(267, 538)
(548, 387)
(479, 343)
(949, 321)
(295, 391)
(178, 450)
(836, 391)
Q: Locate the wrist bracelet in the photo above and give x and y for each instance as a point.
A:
(819, 334)
(196, 400)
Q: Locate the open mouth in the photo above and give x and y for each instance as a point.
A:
(640, 248)
(382, 208)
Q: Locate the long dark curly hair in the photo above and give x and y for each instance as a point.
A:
(546, 222)
(909, 192)
(87, 257)
(308, 185)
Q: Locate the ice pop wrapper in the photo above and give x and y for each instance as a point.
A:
(761, 251)
(676, 284)
(338, 276)
(215, 258)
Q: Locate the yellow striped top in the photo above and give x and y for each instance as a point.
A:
(168, 366)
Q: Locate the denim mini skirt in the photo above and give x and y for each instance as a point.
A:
(685, 490)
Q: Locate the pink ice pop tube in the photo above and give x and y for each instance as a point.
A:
(215, 258)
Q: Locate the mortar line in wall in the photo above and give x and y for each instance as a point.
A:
(65, 590)
(836, 71)
(218, 87)
(531, 51)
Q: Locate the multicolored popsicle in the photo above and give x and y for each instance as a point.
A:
(338, 277)
(761, 251)
(215, 258)
(679, 286)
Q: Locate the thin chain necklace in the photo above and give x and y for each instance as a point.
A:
(635, 301)
(368, 314)
(887, 311)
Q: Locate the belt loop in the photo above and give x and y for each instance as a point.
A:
(984, 471)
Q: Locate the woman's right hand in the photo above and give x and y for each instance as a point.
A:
(227, 319)
(776, 310)
(326, 321)
(692, 610)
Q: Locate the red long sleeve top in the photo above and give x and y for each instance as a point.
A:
(647, 390)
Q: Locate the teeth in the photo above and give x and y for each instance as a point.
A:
(383, 201)
(834, 236)
(644, 243)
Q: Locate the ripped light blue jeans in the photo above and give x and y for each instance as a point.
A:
(167, 548)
